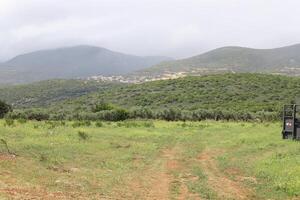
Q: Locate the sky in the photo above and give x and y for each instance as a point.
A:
(175, 28)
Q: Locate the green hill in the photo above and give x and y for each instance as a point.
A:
(238, 92)
(230, 93)
(44, 93)
(285, 60)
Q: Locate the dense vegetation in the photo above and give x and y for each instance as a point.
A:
(43, 93)
(229, 96)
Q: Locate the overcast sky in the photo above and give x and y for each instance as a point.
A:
(177, 28)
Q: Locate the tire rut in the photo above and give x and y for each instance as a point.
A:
(220, 183)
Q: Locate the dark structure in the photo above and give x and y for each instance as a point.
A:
(291, 122)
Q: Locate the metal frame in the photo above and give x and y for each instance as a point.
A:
(291, 123)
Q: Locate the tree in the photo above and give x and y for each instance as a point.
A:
(4, 108)
(103, 106)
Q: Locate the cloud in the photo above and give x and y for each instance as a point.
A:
(176, 28)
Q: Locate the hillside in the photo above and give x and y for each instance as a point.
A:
(250, 92)
(41, 94)
(285, 60)
(242, 93)
(71, 62)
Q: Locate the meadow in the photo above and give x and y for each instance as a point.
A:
(147, 160)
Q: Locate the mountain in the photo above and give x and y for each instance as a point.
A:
(72, 62)
(285, 60)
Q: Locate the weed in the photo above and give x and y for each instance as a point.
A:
(83, 135)
(43, 158)
(9, 122)
(99, 124)
(22, 121)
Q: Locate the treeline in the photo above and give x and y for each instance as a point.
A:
(119, 114)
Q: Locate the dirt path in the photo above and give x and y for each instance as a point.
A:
(156, 183)
(221, 184)
(159, 188)
(172, 164)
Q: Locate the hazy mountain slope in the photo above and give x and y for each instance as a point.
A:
(237, 59)
(71, 62)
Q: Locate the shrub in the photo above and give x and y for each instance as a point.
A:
(81, 123)
(16, 115)
(148, 124)
(170, 114)
(9, 122)
(22, 121)
(120, 115)
(37, 115)
(86, 123)
(114, 115)
(99, 124)
(76, 124)
(83, 135)
(57, 117)
(102, 106)
(142, 113)
(4, 109)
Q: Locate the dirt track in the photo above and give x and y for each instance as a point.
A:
(221, 184)
(155, 183)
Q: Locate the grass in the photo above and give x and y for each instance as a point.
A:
(128, 160)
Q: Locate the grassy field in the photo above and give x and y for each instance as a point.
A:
(148, 160)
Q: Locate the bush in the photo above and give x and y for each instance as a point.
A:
(76, 124)
(83, 135)
(16, 115)
(114, 115)
(81, 123)
(170, 114)
(22, 121)
(37, 115)
(87, 123)
(99, 124)
(4, 109)
(57, 117)
(103, 106)
(142, 113)
(9, 122)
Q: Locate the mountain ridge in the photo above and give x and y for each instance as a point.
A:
(234, 59)
(72, 62)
